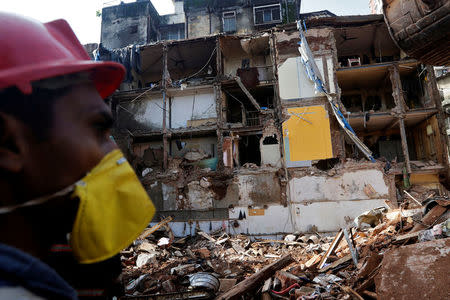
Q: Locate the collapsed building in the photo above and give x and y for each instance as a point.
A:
(219, 118)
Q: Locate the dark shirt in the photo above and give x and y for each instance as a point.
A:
(18, 269)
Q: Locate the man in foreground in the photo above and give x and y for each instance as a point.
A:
(59, 169)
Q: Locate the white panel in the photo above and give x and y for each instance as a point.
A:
(293, 79)
(148, 112)
(192, 107)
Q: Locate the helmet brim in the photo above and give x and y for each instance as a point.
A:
(107, 76)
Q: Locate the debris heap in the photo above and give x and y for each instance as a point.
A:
(383, 254)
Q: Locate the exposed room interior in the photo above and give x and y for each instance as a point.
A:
(248, 58)
(239, 108)
(364, 45)
(191, 61)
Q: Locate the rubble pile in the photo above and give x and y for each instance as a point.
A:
(348, 265)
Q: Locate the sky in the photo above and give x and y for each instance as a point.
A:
(81, 14)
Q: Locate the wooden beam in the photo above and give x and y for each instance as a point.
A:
(165, 78)
(405, 145)
(219, 124)
(256, 279)
(401, 111)
(219, 66)
(246, 92)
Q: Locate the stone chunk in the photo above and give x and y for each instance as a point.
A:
(418, 271)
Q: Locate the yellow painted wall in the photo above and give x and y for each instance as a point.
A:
(424, 178)
(308, 140)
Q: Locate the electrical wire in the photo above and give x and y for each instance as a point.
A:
(140, 95)
(198, 72)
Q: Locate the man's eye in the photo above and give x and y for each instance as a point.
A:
(103, 126)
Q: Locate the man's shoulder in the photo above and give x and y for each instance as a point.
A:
(20, 271)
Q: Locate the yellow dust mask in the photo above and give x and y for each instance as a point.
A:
(114, 209)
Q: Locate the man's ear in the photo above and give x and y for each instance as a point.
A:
(12, 144)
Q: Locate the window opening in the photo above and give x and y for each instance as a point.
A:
(229, 21)
(267, 14)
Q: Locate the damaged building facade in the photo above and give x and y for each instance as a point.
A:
(220, 120)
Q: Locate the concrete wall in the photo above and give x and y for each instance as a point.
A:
(202, 23)
(270, 155)
(325, 202)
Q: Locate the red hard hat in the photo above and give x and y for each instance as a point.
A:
(31, 50)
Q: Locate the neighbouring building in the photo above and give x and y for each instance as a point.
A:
(227, 131)
(139, 23)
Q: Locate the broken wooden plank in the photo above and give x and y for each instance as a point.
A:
(246, 92)
(149, 231)
(410, 196)
(430, 218)
(370, 294)
(207, 236)
(336, 263)
(350, 291)
(408, 235)
(253, 281)
(369, 282)
(312, 261)
(337, 239)
(267, 287)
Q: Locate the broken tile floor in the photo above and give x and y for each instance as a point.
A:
(385, 254)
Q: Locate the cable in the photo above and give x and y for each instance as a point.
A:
(195, 74)
(295, 285)
(140, 95)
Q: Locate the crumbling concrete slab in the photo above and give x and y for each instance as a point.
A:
(419, 271)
